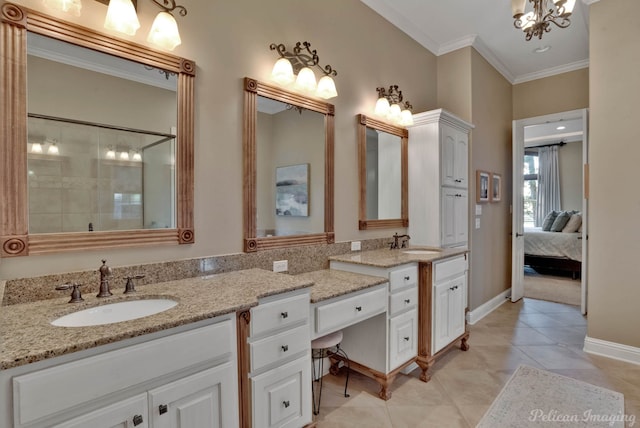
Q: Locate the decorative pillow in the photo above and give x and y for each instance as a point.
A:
(560, 222)
(574, 223)
(548, 220)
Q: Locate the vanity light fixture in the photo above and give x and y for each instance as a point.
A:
(390, 106)
(124, 155)
(53, 149)
(537, 22)
(122, 17)
(36, 148)
(137, 156)
(300, 61)
(111, 154)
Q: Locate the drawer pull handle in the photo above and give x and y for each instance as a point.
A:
(407, 278)
(163, 409)
(286, 404)
(284, 314)
(285, 348)
(358, 308)
(406, 338)
(407, 301)
(137, 420)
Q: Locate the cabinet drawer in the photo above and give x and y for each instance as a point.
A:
(403, 338)
(279, 313)
(403, 300)
(282, 396)
(119, 414)
(276, 347)
(404, 277)
(343, 313)
(449, 267)
(45, 392)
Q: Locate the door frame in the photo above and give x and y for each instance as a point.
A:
(517, 227)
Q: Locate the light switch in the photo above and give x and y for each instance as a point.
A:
(477, 223)
(355, 246)
(478, 209)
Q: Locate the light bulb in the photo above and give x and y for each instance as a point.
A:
(137, 156)
(124, 155)
(53, 149)
(111, 154)
(69, 6)
(306, 80)
(394, 113)
(406, 118)
(382, 106)
(164, 31)
(282, 72)
(326, 88)
(121, 17)
(36, 148)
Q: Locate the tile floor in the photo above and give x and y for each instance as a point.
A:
(464, 384)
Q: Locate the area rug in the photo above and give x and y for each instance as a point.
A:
(539, 398)
(551, 288)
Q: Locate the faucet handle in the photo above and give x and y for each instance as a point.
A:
(130, 287)
(76, 296)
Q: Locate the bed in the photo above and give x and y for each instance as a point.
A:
(553, 250)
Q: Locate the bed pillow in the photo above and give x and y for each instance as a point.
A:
(548, 220)
(560, 222)
(574, 223)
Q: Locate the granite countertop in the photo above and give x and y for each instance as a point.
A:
(328, 283)
(27, 336)
(386, 258)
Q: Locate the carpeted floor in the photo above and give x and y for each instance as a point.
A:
(534, 397)
(551, 288)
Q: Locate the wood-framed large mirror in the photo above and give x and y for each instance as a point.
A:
(288, 168)
(383, 174)
(18, 126)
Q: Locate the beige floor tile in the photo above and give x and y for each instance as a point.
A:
(504, 357)
(569, 318)
(353, 417)
(468, 387)
(539, 320)
(544, 306)
(421, 416)
(472, 413)
(566, 335)
(489, 336)
(525, 336)
(411, 391)
(557, 357)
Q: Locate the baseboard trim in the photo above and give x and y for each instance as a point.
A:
(614, 350)
(486, 308)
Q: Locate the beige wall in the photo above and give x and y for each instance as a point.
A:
(570, 165)
(229, 40)
(454, 83)
(614, 243)
(562, 92)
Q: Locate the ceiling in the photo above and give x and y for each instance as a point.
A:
(443, 26)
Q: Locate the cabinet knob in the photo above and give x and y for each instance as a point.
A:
(406, 338)
(285, 348)
(407, 278)
(286, 404)
(407, 301)
(284, 314)
(163, 409)
(458, 180)
(358, 308)
(137, 420)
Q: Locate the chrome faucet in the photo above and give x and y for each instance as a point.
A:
(105, 273)
(397, 243)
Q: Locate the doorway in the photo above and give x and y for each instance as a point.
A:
(554, 262)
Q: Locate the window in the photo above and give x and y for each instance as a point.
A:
(530, 190)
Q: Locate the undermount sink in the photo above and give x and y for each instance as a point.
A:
(114, 312)
(423, 252)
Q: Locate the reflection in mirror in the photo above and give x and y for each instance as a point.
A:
(288, 168)
(97, 147)
(383, 174)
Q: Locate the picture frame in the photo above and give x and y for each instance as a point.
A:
(496, 187)
(292, 190)
(482, 186)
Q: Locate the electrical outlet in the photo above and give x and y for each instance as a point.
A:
(355, 246)
(280, 265)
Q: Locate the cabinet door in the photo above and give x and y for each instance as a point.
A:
(448, 156)
(440, 327)
(461, 160)
(206, 399)
(461, 216)
(448, 218)
(282, 396)
(457, 291)
(128, 413)
(403, 342)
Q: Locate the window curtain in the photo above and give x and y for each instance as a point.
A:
(548, 183)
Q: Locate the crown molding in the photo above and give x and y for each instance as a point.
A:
(590, 2)
(552, 71)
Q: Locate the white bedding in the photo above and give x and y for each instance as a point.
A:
(557, 244)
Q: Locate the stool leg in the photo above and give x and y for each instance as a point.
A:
(340, 351)
(316, 407)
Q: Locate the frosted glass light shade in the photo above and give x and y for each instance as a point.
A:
(282, 72)
(382, 107)
(121, 17)
(111, 154)
(306, 80)
(36, 148)
(394, 113)
(406, 118)
(137, 156)
(53, 149)
(568, 7)
(69, 6)
(326, 88)
(517, 7)
(124, 155)
(164, 32)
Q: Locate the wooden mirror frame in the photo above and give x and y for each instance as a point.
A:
(253, 89)
(15, 239)
(365, 122)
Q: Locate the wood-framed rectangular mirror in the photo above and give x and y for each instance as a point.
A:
(288, 168)
(383, 174)
(18, 125)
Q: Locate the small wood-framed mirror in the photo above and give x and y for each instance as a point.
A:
(382, 169)
(17, 237)
(288, 168)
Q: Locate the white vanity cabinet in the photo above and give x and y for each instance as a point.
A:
(185, 377)
(279, 372)
(381, 346)
(449, 301)
(438, 179)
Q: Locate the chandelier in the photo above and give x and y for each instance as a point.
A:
(537, 22)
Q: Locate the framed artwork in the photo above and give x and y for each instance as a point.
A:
(292, 190)
(482, 186)
(496, 187)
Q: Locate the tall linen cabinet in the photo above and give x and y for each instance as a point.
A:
(439, 179)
